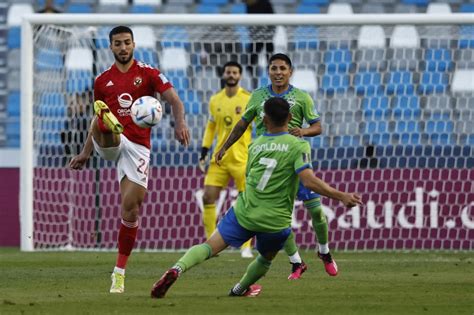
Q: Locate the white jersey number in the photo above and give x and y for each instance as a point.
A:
(270, 164)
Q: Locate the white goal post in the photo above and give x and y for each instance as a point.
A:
(347, 227)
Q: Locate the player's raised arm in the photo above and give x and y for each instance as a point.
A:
(319, 186)
(235, 135)
(180, 129)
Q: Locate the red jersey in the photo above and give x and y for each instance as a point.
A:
(119, 90)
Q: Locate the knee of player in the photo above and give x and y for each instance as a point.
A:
(208, 198)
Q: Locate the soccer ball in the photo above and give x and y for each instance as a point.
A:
(146, 111)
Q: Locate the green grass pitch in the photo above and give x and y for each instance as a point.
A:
(368, 283)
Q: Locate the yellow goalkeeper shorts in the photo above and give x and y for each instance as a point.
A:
(220, 175)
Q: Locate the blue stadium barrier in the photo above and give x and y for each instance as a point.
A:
(14, 37)
(49, 60)
(79, 8)
(147, 55)
(238, 8)
(146, 9)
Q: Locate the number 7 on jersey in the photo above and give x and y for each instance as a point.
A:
(270, 164)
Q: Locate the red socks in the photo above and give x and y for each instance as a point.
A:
(126, 240)
(102, 127)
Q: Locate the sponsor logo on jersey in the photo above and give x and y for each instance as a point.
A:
(124, 112)
(125, 100)
(110, 83)
(228, 121)
(137, 81)
(291, 101)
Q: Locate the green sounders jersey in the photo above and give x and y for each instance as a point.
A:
(272, 182)
(301, 107)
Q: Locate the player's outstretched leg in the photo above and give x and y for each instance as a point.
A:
(252, 291)
(329, 263)
(194, 256)
(298, 267)
(118, 282)
(108, 118)
(166, 281)
(320, 226)
(255, 270)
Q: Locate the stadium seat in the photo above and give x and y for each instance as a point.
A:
(114, 2)
(14, 82)
(305, 38)
(438, 8)
(238, 8)
(439, 60)
(12, 131)
(463, 81)
(49, 60)
(305, 79)
(400, 83)
(368, 83)
(13, 104)
(315, 2)
(207, 9)
(467, 8)
(405, 36)
(340, 8)
(421, 3)
(144, 37)
(78, 66)
(147, 56)
(337, 60)
(433, 82)
(371, 36)
(372, 8)
(368, 59)
(307, 9)
(335, 83)
(155, 3)
(174, 36)
(173, 59)
(80, 8)
(14, 37)
(146, 9)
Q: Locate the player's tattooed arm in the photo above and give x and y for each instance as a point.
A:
(235, 135)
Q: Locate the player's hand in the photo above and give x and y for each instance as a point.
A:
(202, 165)
(78, 161)
(181, 132)
(297, 132)
(219, 156)
(352, 200)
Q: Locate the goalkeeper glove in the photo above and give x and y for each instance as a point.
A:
(203, 159)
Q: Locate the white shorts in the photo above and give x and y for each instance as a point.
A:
(132, 159)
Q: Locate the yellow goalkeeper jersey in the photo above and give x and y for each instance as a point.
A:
(224, 113)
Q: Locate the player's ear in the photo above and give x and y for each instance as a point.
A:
(288, 119)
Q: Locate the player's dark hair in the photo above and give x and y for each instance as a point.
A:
(232, 64)
(277, 109)
(280, 56)
(119, 30)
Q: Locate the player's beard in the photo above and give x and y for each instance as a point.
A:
(120, 59)
(231, 82)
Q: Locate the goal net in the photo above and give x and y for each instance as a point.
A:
(397, 108)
